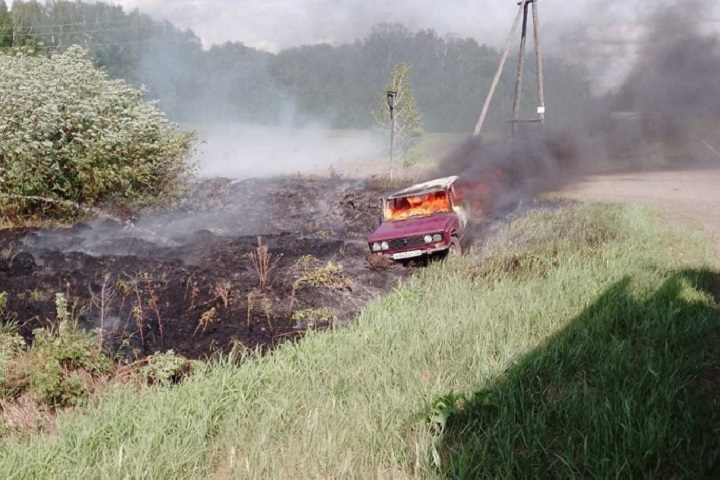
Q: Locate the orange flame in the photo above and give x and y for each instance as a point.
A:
(477, 194)
(421, 205)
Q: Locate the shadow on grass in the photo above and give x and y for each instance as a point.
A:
(630, 389)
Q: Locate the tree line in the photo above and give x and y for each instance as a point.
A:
(338, 86)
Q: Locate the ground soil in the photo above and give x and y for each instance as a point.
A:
(679, 195)
(182, 278)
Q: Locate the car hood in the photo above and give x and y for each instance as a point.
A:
(413, 226)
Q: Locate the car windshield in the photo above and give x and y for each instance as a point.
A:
(417, 206)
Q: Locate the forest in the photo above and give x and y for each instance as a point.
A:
(336, 86)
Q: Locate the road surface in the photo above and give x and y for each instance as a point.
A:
(690, 194)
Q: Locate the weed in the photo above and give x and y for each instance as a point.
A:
(310, 271)
(6, 317)
(413, 157)
(192, 291)
(101, 300)
(251, 297)
(313, 317)
(146, 299)
(266, 305)
(166, 368)
(207, 318)
(223, 291)
(61, 311)
(256, 297)
(385, 182)
(60, 365)
(9, 252)
(334, 174)
(263, 262)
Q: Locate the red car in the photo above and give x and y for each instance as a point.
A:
(424, 219)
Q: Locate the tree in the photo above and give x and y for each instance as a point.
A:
(70, 133)
(409, 128)
(6, 28)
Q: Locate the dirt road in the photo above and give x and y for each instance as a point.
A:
(694, 194)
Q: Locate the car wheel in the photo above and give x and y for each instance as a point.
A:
(455, 249)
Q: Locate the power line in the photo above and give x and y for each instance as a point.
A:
(89, 44)
(81, 32)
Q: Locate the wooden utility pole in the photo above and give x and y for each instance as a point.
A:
(539, 63)
(521, 65)
(522, 13)
(496, 80)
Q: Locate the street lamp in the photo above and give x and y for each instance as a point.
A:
(391, 99)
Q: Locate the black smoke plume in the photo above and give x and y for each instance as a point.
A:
(665, 115)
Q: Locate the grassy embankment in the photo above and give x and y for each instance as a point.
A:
(589, 335)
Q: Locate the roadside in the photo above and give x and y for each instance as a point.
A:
(679, 195)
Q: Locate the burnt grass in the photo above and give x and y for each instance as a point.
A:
(182, 278)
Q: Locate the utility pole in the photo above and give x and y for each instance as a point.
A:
(521, 64)
(391, 99)
(522, 13)
(539, 63)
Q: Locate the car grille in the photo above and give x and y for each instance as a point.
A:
(407, 242)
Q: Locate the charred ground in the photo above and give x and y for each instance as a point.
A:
(185, 278)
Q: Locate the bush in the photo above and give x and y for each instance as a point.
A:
(58, 368)
(71, 134)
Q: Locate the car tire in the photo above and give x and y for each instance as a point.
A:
(455, 249)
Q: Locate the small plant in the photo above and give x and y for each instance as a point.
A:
(263, 262)
(325, 233)
(144, 288)
(59, 367)
(101, 300)
(61, 311)
(254, 298)
(412, 158)
(192, 291)
(334, 174)
(6, 317)
(251, 296)
(313, 317)
(223, 291)
(11, 345)
(166, 368)
(310, 271)
(207, 318)
(9, 252)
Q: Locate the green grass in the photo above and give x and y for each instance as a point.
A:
(585, 334)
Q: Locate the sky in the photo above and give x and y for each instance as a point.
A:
(277, 24)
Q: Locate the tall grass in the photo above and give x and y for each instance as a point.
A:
(356, 402)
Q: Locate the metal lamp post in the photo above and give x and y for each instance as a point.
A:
(391, 99)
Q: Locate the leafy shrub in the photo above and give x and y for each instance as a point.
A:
(166, 368)
(71, 134)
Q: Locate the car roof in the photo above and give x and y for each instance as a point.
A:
(426, 187)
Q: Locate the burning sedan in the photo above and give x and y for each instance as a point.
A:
(423, 219)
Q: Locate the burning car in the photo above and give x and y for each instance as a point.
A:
(423, 219)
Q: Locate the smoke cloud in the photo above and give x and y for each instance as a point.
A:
(237, 151)
(666, 114)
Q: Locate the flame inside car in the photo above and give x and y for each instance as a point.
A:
(417, 206)
(476, 193)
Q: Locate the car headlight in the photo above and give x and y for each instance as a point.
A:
(376, 247)
(385, 246)
(428, 238)
(438, 237)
